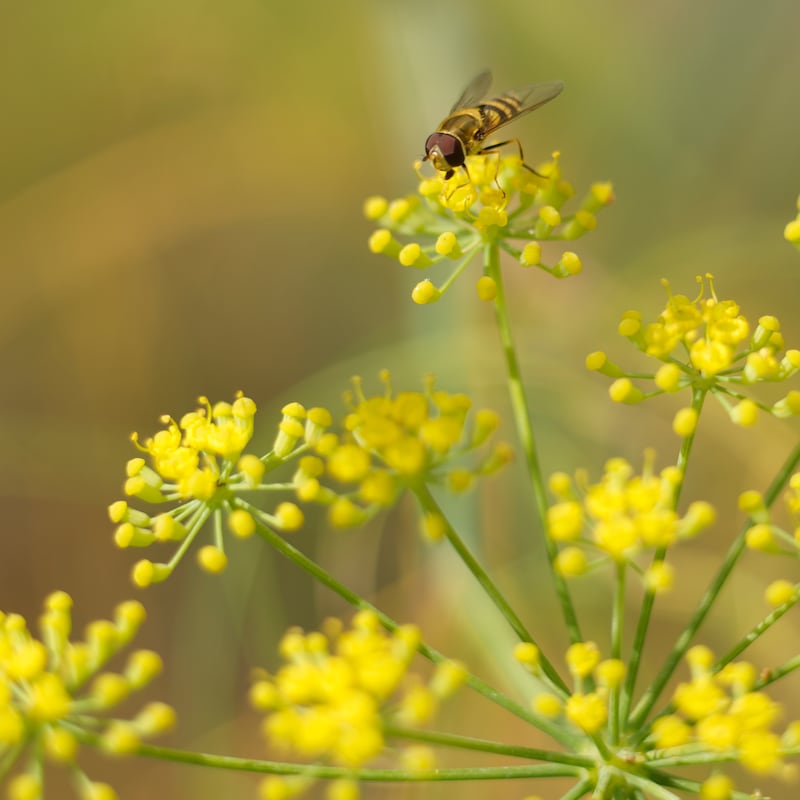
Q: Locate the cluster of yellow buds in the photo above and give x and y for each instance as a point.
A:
(53, 693)
(338, 689)
(197, 466)
(705, 345)
(498, 198)
(723, 713)
(621, 516)
(394, 441)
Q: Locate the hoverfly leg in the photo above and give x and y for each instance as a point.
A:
(449, 174)
(521, 154)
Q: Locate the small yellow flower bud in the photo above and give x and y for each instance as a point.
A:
(582, 658)
(630, 324)
(447, 245)
(685, 422)
(343, 789)
(745, 413)
(375, 207)
(548, 705)
(623, 391)
(571, 562)
(60, 744)
(145, 573)
(212, 559)
(419, 759)
(252, 467)
(717, 787)
(569, 264)
(412, 256)
(670, 731)
(487, 288)
(241, 523)
(433, 526)
(760, 537)
(527, 653)
(382, 241)
(668, 377)
(549, 216)
(531, 254)
(425, 292)
(142, 667)
(155, 718)
(288, 517)
(659, 577)
(611, 672)
(588, 712)
(792, 231)
(780, 592)
(120, 738)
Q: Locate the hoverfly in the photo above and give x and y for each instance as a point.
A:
(472, 118)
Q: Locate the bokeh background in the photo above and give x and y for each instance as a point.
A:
(180, 213)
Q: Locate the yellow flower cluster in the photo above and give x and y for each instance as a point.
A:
(723, 713)
(336, 690)
(587, 710)
(198, 465)
(620, 516)
(705, 344)
(497, 199)
(393, 441)
(47, 700)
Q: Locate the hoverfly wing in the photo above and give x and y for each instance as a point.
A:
(513, 104)
(476, 91)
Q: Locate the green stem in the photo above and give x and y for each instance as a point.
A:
(754, 633)
(522, 418)
(254, 765)
(653, 692)
(487, 746)
(580, 789)
(643, 624)
(324, 577)
(617, 618)
(429, 504)
(778, 672)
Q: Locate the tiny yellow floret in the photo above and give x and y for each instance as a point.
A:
(425, 292)
(527, 653)
(779, 592)
(745, 413)
(684, 422)
(717, 787)
(548, 705)
(212, 559)
(375, 207)
(760, 537)
(241, 523)
(571, 562)
(531, 254)
(487, 288)
(589, 712)
(582, 658)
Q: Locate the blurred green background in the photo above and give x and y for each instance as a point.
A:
(180, 213)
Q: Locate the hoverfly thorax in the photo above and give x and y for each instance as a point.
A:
(473, 118)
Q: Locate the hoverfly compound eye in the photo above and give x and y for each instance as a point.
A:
(444, 150)
(451, 149)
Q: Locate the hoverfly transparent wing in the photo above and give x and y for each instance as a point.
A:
(476, 91)
(513, 104)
